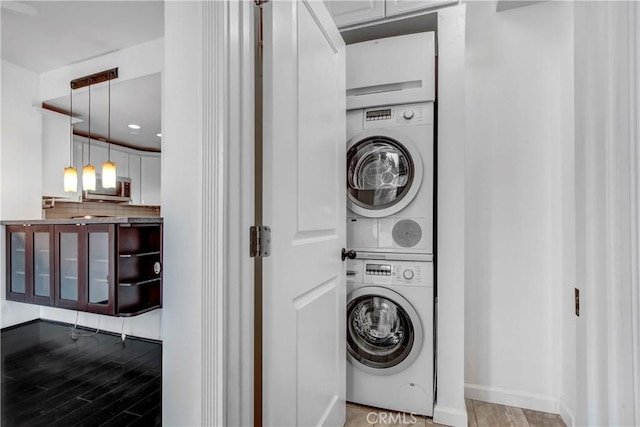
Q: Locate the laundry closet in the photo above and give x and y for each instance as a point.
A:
(391, 175)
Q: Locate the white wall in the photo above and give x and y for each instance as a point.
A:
(132, 62)
(182, 181)
(517, 110)
(606, 144)
(21, 144)
(20, 172)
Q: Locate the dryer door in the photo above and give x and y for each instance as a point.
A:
(383, 175)
(384, 332)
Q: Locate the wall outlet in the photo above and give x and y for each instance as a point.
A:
(577, 299)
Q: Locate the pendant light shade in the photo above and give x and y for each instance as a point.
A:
(109, 175)
(70, 173)
(70, 179)
(89, 178)
(108, 167)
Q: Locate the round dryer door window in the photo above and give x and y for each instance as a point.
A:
(383, 175)
(384, 333)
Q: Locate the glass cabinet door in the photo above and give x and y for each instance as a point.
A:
(68, 271)
(17, 263)
(41, 264)
(100, 270)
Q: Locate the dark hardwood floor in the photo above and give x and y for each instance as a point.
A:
(48, 379)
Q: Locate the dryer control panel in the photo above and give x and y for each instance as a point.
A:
(398, 115)
(389, 272)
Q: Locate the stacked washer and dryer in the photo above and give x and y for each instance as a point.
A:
(390, 199)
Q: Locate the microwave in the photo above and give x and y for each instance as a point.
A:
(120, 194)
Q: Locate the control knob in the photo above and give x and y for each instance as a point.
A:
(408, 114)
(408, 274)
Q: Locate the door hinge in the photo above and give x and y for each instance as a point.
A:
(260, 241)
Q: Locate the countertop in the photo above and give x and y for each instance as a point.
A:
(73, 221)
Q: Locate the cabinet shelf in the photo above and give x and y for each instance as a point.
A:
(140, 283)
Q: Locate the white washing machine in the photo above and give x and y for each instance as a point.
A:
(390, 179)
(390, 335)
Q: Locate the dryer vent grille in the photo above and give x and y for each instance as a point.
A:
(407, 233)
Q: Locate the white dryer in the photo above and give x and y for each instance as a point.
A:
(390, 179)
(390, 335)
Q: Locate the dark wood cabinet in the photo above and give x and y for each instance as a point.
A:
(112, 269)
(139, 269)
(30, 263)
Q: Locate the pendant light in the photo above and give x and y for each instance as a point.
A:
(108, 167)
(89, 171)
(70, 173)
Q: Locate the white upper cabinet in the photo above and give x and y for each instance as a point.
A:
(56, 154)
(134, 174)
(121, 159)
(150, 180)
(98, 155)
(349, 12)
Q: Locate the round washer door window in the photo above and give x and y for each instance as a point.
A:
(383, 175)
(384, 333)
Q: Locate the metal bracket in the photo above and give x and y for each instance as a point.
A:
(260, 236)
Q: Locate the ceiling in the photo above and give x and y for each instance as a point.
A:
(45, 35)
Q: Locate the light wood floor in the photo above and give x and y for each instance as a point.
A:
(480, 414)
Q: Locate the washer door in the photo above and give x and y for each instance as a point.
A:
(384, 332)
(383, 174)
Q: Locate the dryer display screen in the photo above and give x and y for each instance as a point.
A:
(378, 115)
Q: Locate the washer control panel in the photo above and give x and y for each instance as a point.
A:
(388, 272)
(378, 269)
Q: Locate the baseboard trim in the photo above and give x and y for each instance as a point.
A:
(84, 328)
(18, 325)
(566, 413)
(450, 416)
(520, 399)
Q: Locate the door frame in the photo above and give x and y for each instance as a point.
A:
(228, 212)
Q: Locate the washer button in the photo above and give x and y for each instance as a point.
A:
(408, 114)
(408, 274)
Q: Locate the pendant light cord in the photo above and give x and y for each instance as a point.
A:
(89, 135)
(70, 126)
(109, 124)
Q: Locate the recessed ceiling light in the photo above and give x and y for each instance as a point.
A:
(159, 135)
(132, 126)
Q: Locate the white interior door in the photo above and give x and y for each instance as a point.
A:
(304, 286)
